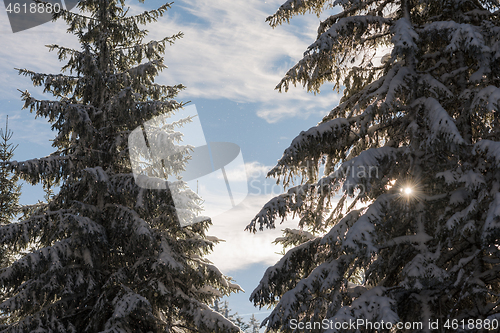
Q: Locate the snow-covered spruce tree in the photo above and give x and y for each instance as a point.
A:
(223, 308)
(10, 190)
(105, 255)
(254, 325)
(415, 142)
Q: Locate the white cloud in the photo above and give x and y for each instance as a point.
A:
(26, 49)
(256, 170)
(228, 51)
(252, 170)
(235, 54)
(27, 129)
(242, 248)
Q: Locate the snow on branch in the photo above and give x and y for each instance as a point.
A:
(362, 231)
(157, 92)
(488, 98)
(141, 71)
(461, 36)
(126, 219)
(336, 235)
(350, 8)
(302, 298)
(353, 105)
(325, 137)
(379, 88)
(62, 51)
(491, 227)
(125, 304)
(202, 317)
(78, 22)
(154, 45)
(389, 89)
(151, 50)
(37, 262)
(422, 267)
(490, 148)
(166, 258)
(473, 180)
(150, 68)
(344, 28)
(439, 121)
(40, 168)
(48, 226)
(360, 169)
(434, 86)
(293, 237)
(373, 306)
(294, 201)
(97, 174)
(66, 116)
(148, 109)
(58, 83)
(288, 269)
(404, 38)
(294, 7)
(149, 16)
(330, 57)
(396, 86)
(19, 235)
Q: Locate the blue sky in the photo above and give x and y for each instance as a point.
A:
(230, 60)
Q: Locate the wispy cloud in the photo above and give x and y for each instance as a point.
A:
(252, 170)
(242, 248)
(26, 49)
(229, 51)
(256, 170)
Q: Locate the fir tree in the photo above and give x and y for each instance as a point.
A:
(236, 319)
(414, 142)
(10, 191)
(254, 325)
(105, 255)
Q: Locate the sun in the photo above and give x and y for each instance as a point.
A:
(407, 190)
(410, 190)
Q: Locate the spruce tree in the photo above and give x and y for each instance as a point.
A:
(236, 319)
(254, 325)
(104, 254)
(10, 190)
(413, 152)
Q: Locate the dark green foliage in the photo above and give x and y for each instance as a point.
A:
(104, 255)
(10, 191)
(420, 239)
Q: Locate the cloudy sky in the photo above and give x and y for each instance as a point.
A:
(230, 60)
